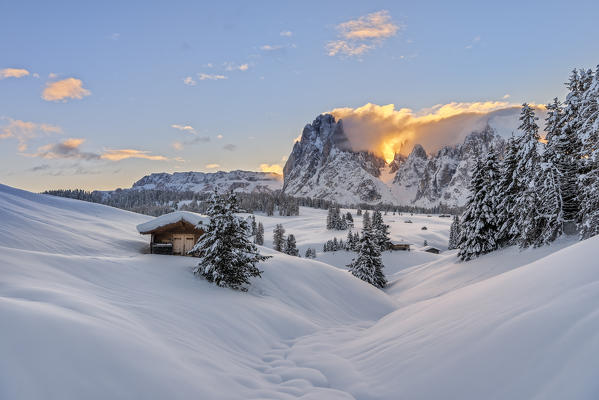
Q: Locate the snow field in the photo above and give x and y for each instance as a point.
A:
(86, 315)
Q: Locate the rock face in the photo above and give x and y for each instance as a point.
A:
(443, 177)
(323, 165)
(204, 182)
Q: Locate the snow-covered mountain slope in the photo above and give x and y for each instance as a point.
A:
(444, 177)
(95, 321)
(323, 165)
(206, 182)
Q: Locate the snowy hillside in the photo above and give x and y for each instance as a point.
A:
(86, 315)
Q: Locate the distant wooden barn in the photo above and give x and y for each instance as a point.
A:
(400, 246)
(174, 233)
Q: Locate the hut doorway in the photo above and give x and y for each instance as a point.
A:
(183, 243)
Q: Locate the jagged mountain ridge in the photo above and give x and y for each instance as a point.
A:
(205, 182)
(323, 164)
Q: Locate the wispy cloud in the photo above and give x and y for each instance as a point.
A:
(474, 42)
(24, 131)
(357, 37)
(184, 128)
(115, 36)
(269, 47)
(230, 147)
(178, 145)
(276, 168)
(229, 66)
(506, 96)
(189, 81)
(211, 77)
(71, 88)
(286, 33)
(212, 166)
(219, 136)
(13, 73)
(41, 167)
(71, 149)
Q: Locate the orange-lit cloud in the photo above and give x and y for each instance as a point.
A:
(386, 130)
(24, 131)
(70, 88)
(71, 149)
(13, 73)
(122, 154)
(212, 166)
(276, 168)
(356, 37)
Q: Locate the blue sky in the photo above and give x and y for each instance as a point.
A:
(114, 91)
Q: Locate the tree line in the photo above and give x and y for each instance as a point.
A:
(540, 189)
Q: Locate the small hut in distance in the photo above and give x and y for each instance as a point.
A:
(174, 233)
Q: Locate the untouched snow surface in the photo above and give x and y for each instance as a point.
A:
(86, 315)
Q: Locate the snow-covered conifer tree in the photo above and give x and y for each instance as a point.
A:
(507, 193)
(368, 265)
(227, 256)
(454, 233)
(381, 231)
(588, 182)
(526, 208)
(479, 221)
(366, 220)
(278, 240)
(290, 246)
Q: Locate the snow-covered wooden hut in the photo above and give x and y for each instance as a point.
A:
(431, 249)
(174, 233)
(400, 246)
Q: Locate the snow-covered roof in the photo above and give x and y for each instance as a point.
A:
(172, 218)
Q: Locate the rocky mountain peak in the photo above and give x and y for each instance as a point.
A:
(418, 152)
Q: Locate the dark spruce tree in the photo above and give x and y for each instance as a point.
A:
(227, 256)
(259, 237)
(291, 246)
(567, 145)
(278, 239)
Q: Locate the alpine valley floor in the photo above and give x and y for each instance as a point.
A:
(86, 315)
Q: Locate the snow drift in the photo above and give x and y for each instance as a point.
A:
(85, 315)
